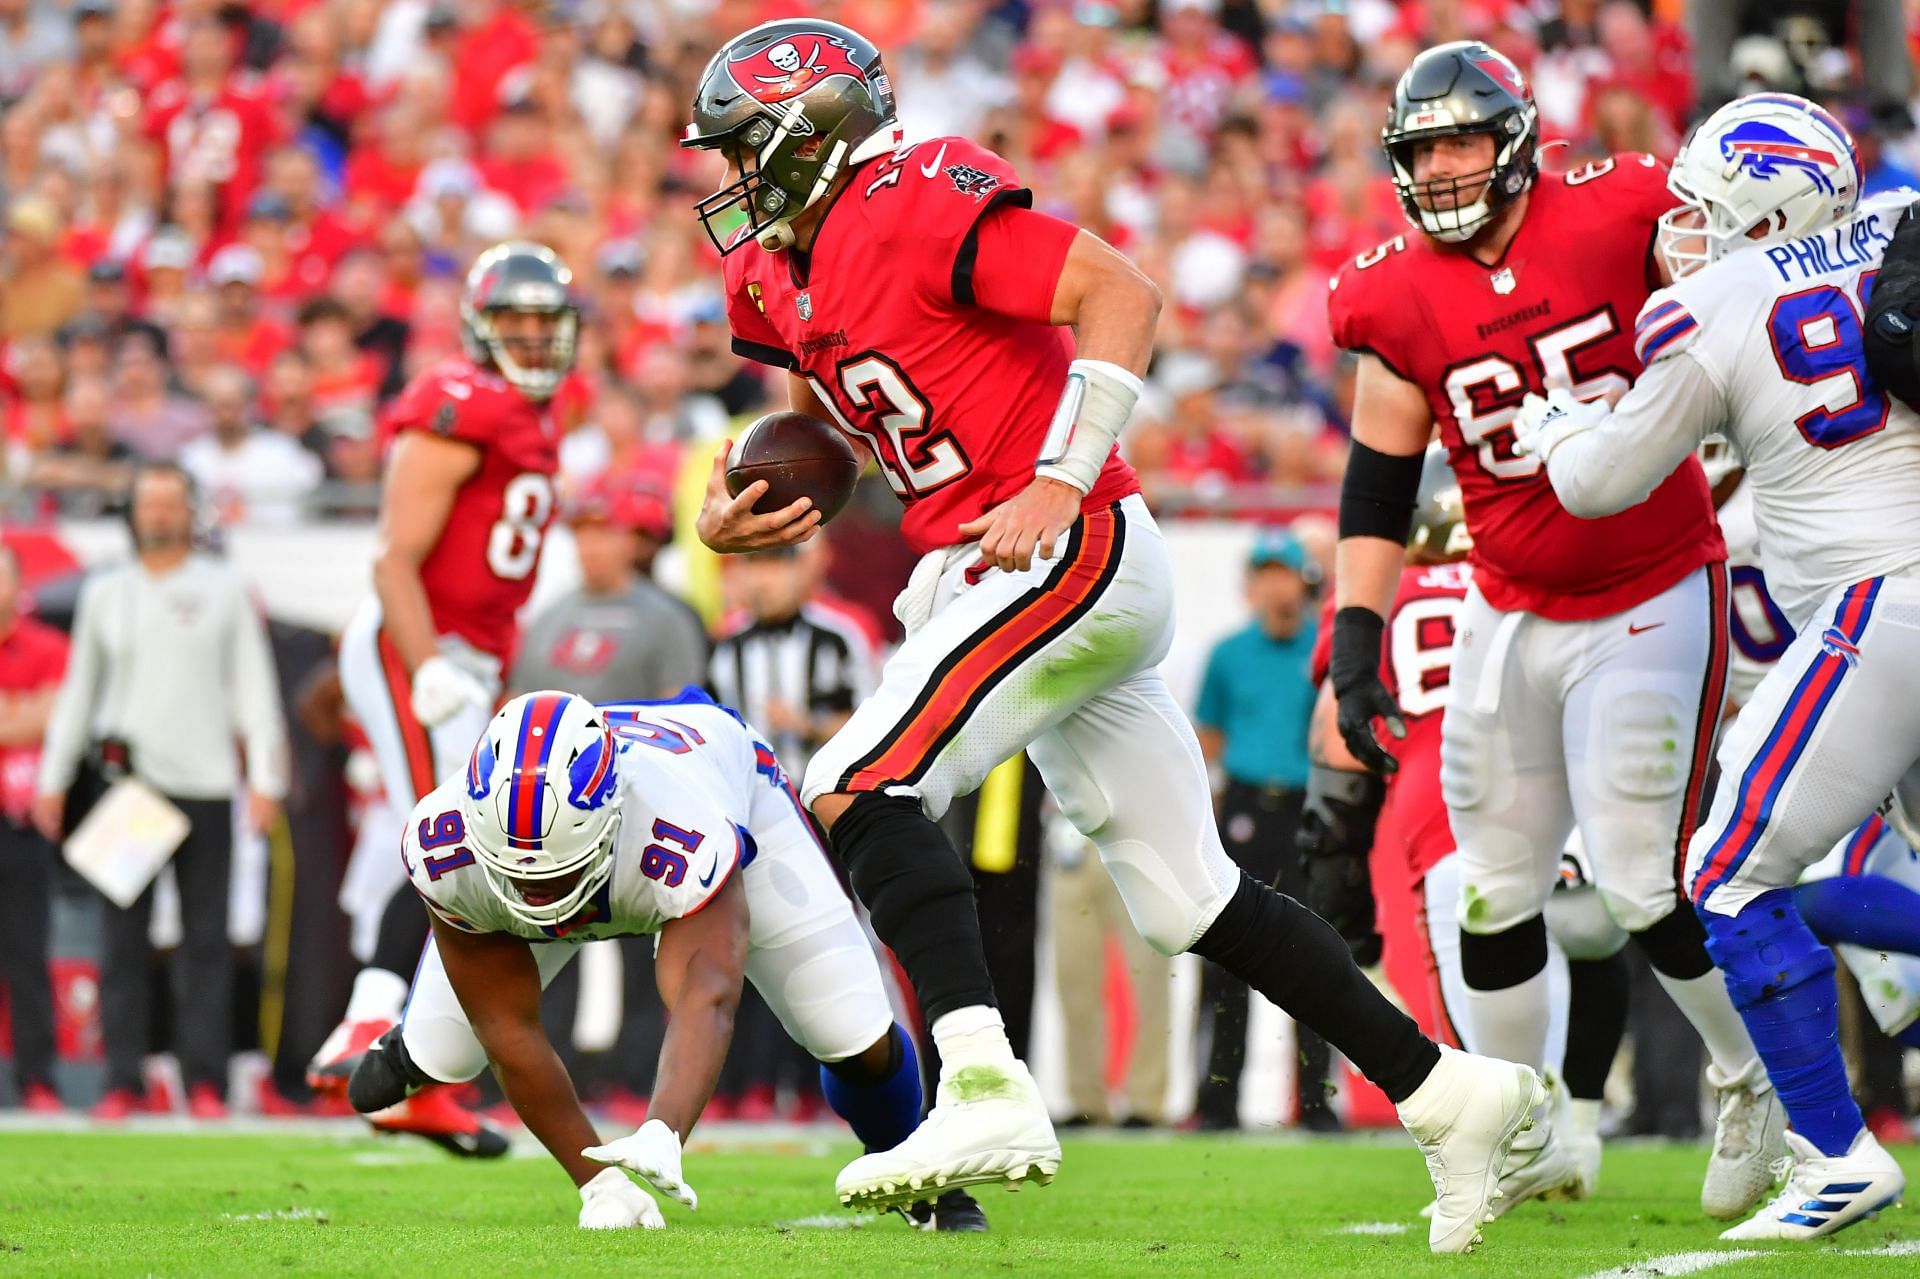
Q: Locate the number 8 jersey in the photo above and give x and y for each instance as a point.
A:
(1476, 338)
(919, 317)
(481, 570)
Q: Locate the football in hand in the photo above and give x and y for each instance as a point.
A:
(798, 456)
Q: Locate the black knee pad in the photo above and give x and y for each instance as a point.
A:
(850, 1071)
(1676, 946)
(385, 1075)
(1497, 961)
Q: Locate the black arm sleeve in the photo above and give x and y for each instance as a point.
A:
(1379, 492)
(1892, 338)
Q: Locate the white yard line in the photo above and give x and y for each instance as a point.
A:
(1373, 1228)
(1688, 1263)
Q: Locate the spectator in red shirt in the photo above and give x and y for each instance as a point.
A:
(1204, 65)
(344, 376)
(495, 38)
(33, 658)
(247, 336)
(520, 161)
(316, 236)
(212, 122)
(381, 174)
(1192, 451)
(31, 418)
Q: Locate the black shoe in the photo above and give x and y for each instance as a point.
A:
(1137, 1122)
(954, 1210)
(1078, 1120)
(1319, 1119)
(1209, 1121)
(379, 1078)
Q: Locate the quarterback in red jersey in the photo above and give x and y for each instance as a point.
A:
(1368, 841)
(918, 302)
(463, 517)
(1588, 668)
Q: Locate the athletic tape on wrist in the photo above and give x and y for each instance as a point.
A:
(1094, 408)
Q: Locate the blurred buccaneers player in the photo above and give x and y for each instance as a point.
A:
(463, 516)
(919, 303)
(1588, 670)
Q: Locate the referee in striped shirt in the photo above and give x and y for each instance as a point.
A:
(798, 666)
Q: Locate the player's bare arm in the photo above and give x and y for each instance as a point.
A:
(1391, 425)
(424, 473)
(699, 966)
(1113, 308)
(499, 987)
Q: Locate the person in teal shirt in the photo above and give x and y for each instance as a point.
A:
(1255, 705)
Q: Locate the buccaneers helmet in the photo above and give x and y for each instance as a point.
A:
(791, 104)
(519, 276)
(1439, 513)
(1450, 90)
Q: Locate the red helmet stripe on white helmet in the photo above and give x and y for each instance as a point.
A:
(527, 787)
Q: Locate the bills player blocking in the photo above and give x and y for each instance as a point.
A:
(919, 303)
(1585, 687)
(1760, 337)
(463, 518)
(574, 822)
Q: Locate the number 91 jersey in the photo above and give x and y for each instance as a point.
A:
(1476, 339)
(481, 570)
(687, 773)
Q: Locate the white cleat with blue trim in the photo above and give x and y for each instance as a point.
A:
(1825, 1193)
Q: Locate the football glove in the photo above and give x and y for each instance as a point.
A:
(1333, 839)
(1359, 694)
(441, 690)
(653, 1153)
(611, 1201)
(1544, 423)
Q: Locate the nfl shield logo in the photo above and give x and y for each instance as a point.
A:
(803, 303)
(1503, 282)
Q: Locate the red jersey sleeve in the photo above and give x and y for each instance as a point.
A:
(1367, 312)
(1018, 257)
(754, 338)
(1323, 642)
(1632, 187)
(446, 403)
(948, 189)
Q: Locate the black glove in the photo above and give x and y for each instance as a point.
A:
(1891, 339)
(1333, 839)
(1354, 671)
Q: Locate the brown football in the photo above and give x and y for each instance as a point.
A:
(798, 456)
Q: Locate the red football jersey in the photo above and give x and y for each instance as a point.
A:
(886, 316)
(1476, 339)
(1416, 663)
(222, 142)
(481, 570)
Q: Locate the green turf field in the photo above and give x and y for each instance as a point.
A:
(171, 1204)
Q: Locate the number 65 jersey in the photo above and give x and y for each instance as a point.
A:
(1476, 338)
(691, 775)
(1769, 339)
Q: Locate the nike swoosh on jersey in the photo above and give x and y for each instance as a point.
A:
(706, 880)
(928, 170)
(1641, 630)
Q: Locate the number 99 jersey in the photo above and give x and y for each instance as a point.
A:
(1477, 338)
(696, 787)
(481, 570)
(1832, 461)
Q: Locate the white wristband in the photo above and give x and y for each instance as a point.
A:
(1094, 408)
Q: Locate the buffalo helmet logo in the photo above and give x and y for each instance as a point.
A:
(1768, 151)
(793, 66)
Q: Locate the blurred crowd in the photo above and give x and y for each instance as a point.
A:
(232, 230)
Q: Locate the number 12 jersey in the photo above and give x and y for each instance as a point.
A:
(1476, 338)
(919, 316)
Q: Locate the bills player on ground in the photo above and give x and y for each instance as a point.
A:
(1587, 672)
(574, 822)
(918, 302)
(463, 516)
(1774, 257)
(1358, 829)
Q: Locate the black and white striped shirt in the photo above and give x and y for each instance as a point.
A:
(819, 662)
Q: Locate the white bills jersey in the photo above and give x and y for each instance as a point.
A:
(1764, 345)
(688, 770)
(1760, 631)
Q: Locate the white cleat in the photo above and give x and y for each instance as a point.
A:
(1540, 1165)
(987, 1126)
(1749, 1138)
(1464, 1118)
(1825, 1194)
